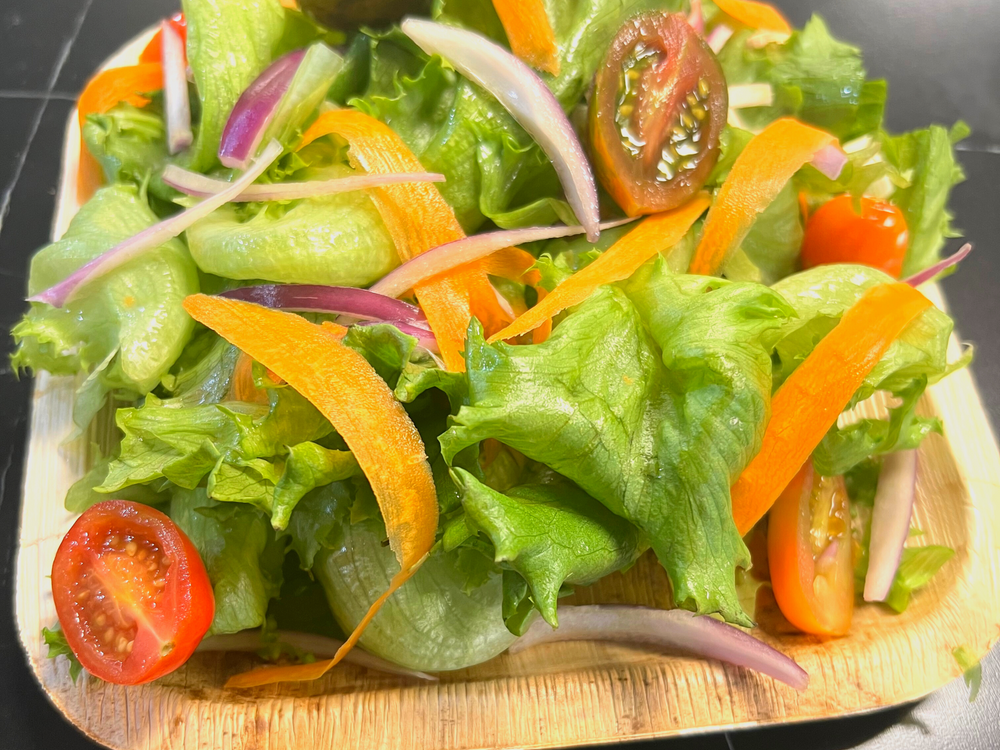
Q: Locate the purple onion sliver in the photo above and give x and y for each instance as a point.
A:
(522, 93)
(175, 90)
(929, 273)
(361, 304)
(674, 629)
(696, 18)
(891, 514)
(718, 37)
(830, 160)
(200, 186)
(453, 254)
(154, 236)
(254, 110)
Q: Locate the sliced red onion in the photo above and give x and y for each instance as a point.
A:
(154, 236)
(695, 18)
(175, 89)
(742, 95)
(830, 160)
(527, 98)
(897, 487)
(674, 629)
(317, 645)
(718, 37)
(929, 273)
(198, 185)
(254, 109)
(453, 254)
(360, 304)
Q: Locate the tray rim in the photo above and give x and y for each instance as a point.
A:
(43, 672)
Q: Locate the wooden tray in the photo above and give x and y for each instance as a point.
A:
(556, 695)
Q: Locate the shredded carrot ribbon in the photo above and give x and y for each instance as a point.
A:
(343, 386)
(758, 175)
(418, 219)
(102, 92)
(515, 264)
(529, 33)
(654, 234)
(755, 15)
(807, 405)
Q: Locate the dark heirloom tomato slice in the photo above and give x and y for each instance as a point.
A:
(131, 592)
(659, 105)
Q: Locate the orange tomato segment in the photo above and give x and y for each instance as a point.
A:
(529, 33)
(343, 386)
(654, 234)
(418, 219)
(836, 233)
(755, 15)
(810, 556)
(807, 405)
(757, 176)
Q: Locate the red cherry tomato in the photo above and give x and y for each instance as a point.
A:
(810, 553)
(876, 237)
(154, 50)
(656, 114)
(131, 592)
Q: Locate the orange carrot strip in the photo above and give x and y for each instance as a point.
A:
(514, 263)
(529, 33)
(757, 176)
(808, 403)
(755, 15)
(654, 234)
(109, 87)
(418, 219)
(343, 386)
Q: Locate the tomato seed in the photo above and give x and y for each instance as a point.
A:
(101, 620)
(131, 548)
(128, 647)
(81, 596)
(160, 583)
(109, 634)
(141, 555)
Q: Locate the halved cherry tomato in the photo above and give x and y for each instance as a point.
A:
(836, 233)
(659, 105)
(131, 592)
(154, 50)
(810, 553)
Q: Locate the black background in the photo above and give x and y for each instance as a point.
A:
(942, 59)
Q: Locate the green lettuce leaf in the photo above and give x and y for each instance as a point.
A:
(916, 568)
(130, 144)
(241, 554)
(338, 240)
(229, 43)
(771, 248)
(438, 621)
(57, 646)
(815, 77)
(689, 397)
(551, 533)
(167, 440)
(972, 669)
(203, 373)
(926, 160)
(125, 329)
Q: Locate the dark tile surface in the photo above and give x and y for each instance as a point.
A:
(943, 63)
(109, 23)
(33, 34)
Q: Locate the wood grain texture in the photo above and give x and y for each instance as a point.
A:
(555, 695)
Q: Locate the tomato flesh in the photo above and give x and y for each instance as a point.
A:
(131, 593)
(836, 233)
(810, 554)
(659, 105)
